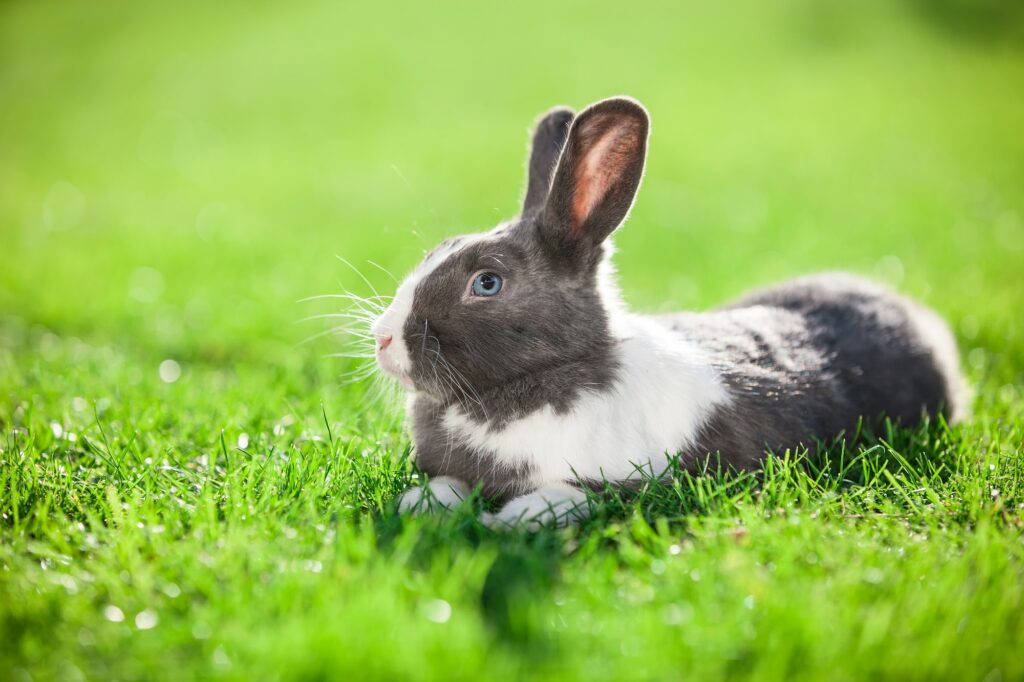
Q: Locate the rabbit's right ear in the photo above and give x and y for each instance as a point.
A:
(597, 178)
(548, 139)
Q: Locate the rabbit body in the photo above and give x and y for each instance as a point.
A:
(808, 359)
(530, 379)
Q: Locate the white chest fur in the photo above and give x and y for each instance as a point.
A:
(664, 393)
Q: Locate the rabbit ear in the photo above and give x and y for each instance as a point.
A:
(597, 177)
(548, 139)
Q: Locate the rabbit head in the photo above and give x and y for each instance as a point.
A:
(484, 310)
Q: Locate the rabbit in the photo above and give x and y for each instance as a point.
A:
(529, 379)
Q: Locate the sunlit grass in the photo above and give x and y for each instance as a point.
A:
(196, 480)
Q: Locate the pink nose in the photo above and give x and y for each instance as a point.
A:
(383, 342)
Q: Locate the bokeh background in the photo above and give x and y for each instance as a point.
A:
(176, 177)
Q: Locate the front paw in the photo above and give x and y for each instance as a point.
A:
(439, 494)
(556, 506)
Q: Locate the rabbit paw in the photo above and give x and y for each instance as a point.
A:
(554, 506)
(439, 494)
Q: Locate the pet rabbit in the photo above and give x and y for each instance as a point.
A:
(529, 378)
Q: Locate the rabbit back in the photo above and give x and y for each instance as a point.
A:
(810, 358)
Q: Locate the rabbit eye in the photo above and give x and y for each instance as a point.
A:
(486, 284)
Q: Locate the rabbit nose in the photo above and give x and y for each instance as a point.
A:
(384, 341)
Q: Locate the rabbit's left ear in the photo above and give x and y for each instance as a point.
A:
(548, 139)
(597, 177)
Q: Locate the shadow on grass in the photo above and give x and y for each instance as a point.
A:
(525, 568)
(881, 471)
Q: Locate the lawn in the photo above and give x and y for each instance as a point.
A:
(191, 488)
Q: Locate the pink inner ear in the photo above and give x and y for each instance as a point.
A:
(604, 161)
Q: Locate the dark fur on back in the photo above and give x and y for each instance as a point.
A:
(811, 358)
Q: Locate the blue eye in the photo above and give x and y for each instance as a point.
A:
(486, 284)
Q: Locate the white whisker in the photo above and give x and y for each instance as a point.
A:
(345, 295)
(361, 276)
(333, 316)
(384, 270)
(360, 356)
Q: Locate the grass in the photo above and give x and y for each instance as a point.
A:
(187, 490)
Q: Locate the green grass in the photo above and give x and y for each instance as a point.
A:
(174, 177)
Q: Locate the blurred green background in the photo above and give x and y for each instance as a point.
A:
(175, 177)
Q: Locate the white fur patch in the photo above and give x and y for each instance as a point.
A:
(559, 506)
(664, 393)
(619, 321)
(438, 494)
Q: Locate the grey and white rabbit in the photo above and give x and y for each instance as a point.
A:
(529, 378)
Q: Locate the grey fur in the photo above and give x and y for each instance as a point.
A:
(537, 343)
(804, 360)
(438, 454)
(813, 357)
(548, 140)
